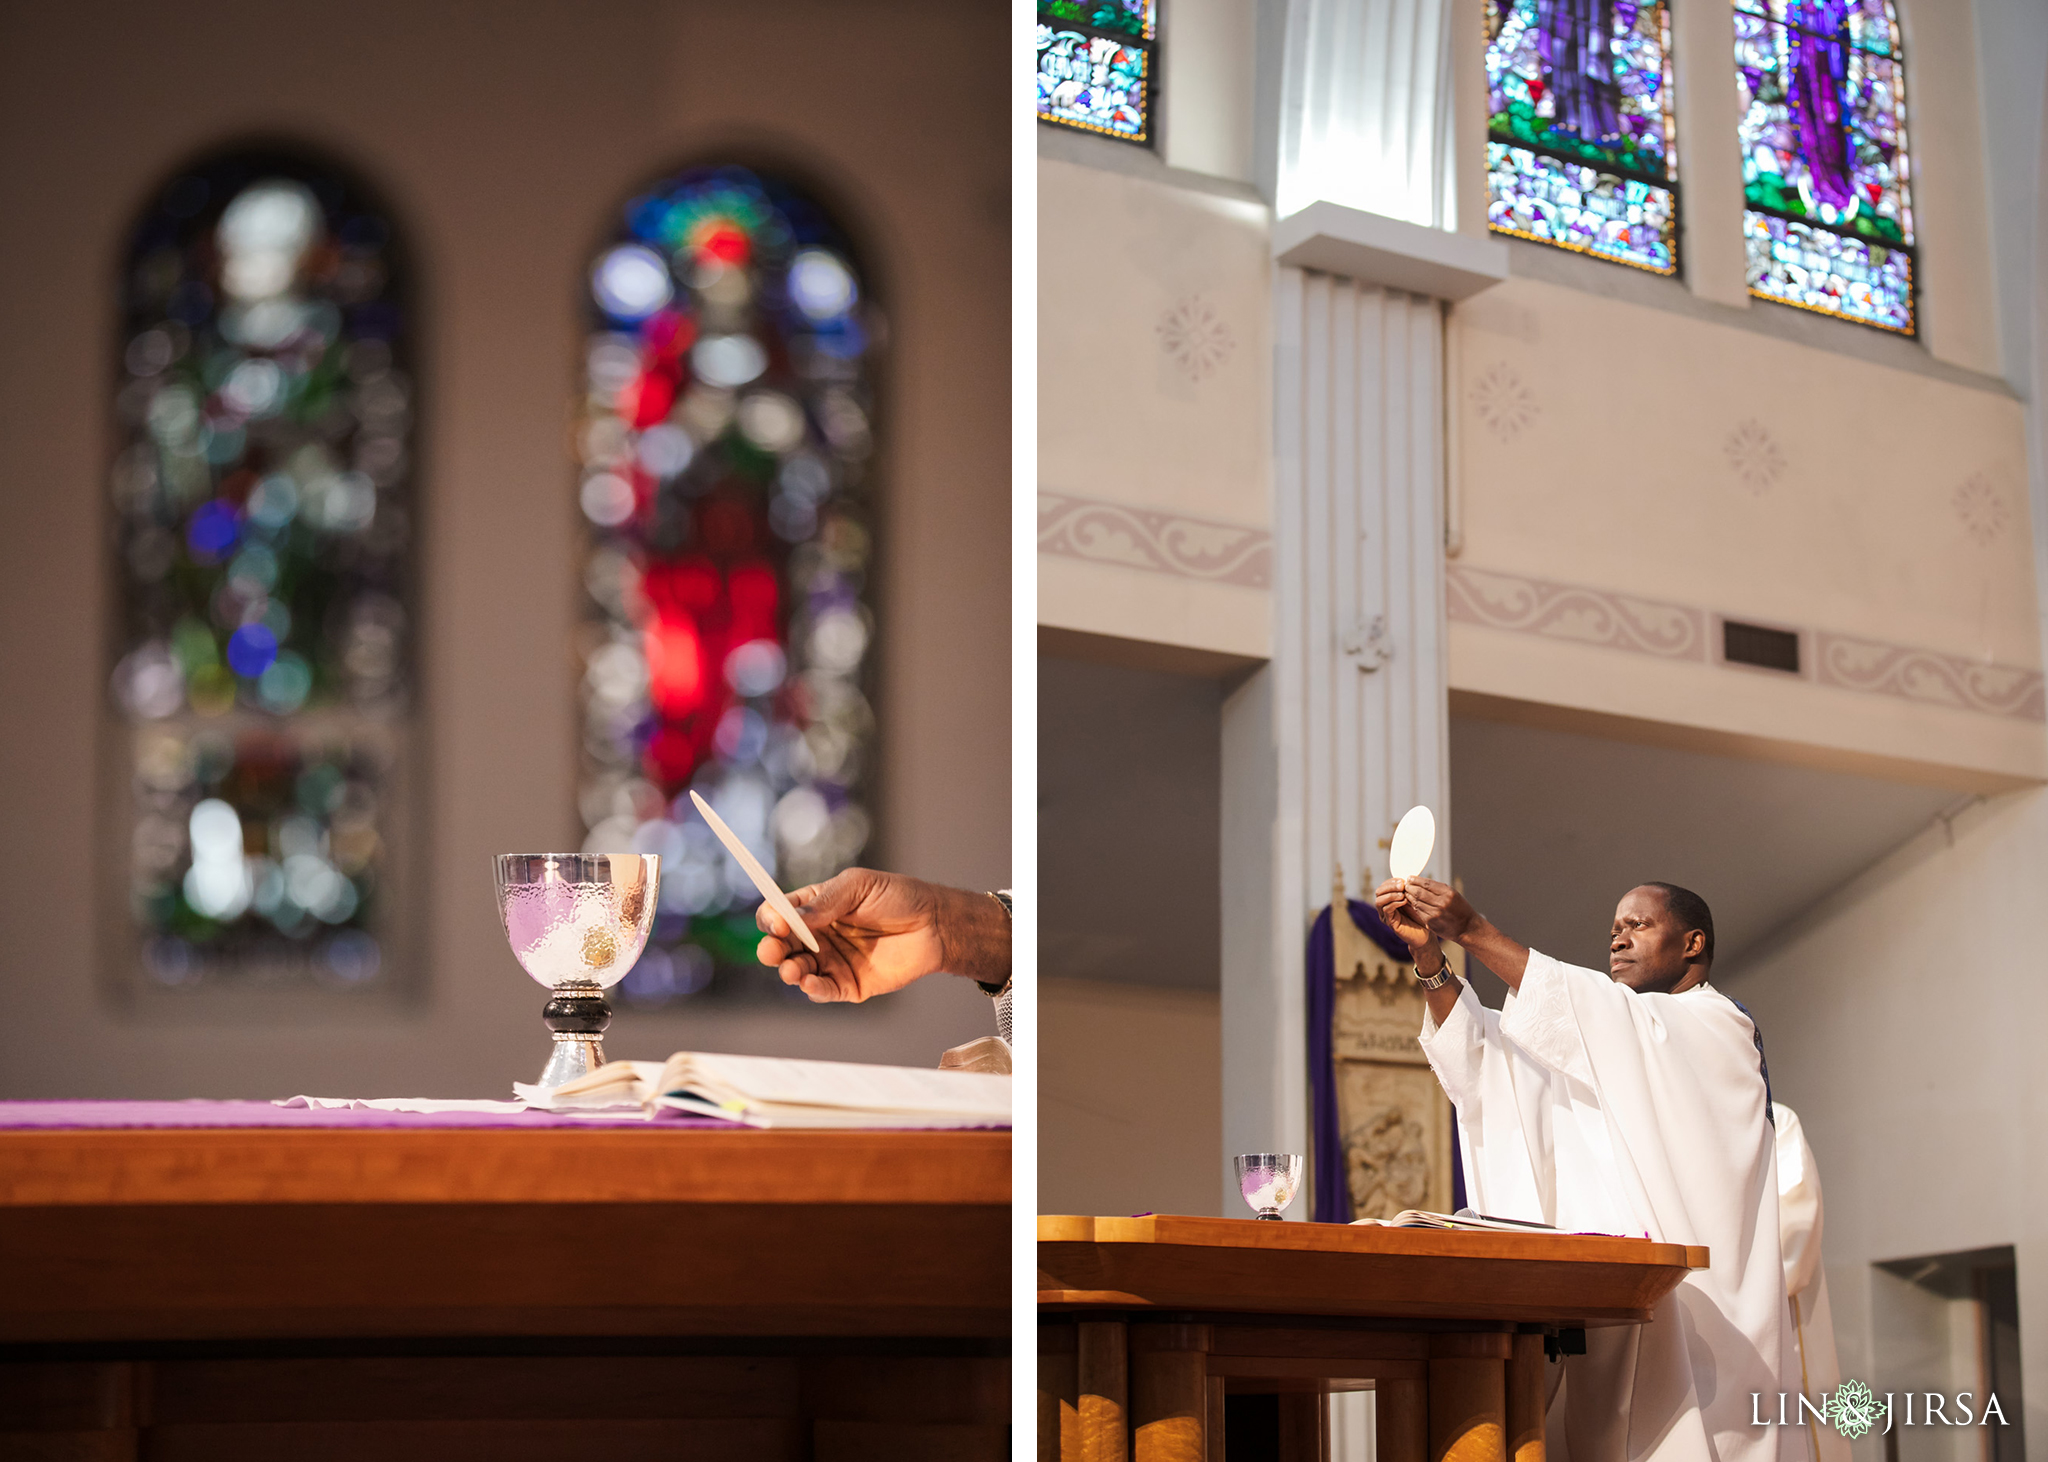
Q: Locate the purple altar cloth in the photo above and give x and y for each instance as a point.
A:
(17, 1116)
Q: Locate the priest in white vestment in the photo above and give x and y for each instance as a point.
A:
(1633, 1102)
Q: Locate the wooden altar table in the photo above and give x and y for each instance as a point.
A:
(1148, 1324)
(551, 1293)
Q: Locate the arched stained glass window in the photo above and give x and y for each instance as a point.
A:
(726, 454)
(261, 540)
(1097, 61)
(1581, 149)
(1825, 171)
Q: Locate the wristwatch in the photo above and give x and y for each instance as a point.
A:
(1001, 896)
(1437, 980)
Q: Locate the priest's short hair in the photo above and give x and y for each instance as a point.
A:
(1691, 911)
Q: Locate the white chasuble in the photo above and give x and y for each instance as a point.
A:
(1585, 1105)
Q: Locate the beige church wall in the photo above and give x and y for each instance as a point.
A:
(1154, 384)
(1901, 1018)
(1130, 1111)
(1626, 474)
(503, 137)
(1144, 603)
(1207, 83)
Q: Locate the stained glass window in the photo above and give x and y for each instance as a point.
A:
(261, 534)
(1097, 61)
(1581, 149)
(726, 445)
(1825, 172)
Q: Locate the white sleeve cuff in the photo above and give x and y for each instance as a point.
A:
(1457, 1048)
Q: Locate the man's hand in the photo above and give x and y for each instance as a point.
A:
(1442, 908)
(1391, 899)
(1421, 911)
(878, 932)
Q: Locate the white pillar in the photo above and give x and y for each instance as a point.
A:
(1346, 728)
(1353, 702)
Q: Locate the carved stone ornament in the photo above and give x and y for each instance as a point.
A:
(1369, 643)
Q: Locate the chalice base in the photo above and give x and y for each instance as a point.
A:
(573, 1056)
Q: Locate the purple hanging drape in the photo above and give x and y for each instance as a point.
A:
(1332, 1194)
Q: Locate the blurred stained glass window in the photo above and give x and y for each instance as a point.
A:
(726, 447)
(1825, 171)
(1581, 149)
(1097, 65)
(261, 528)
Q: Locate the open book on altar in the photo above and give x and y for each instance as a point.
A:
(782, 1091)
(1464, 1218)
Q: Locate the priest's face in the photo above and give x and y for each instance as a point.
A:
(1649, 949)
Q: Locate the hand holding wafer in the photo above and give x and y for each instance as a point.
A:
(878, 932)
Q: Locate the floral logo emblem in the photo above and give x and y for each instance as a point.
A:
(1981, 506)
(1754, 454)
(1504, 404)
(1853, 1409)
(1195, 338)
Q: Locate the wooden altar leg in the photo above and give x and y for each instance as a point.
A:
(1218, 1389)
(1400, 1413)
(1468, 1401)
(1304, 1426)
(1103, 1377)
(1059, 1392)
(1525, 1400)
(1169, 1393)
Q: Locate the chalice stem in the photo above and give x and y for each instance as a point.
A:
(578, 1015)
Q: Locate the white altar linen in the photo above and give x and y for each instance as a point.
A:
(1590, 1107)
(403, 1104)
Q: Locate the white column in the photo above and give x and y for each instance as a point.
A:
(1347, 727)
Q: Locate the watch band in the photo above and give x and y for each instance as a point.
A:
(1437, 980)
(1001, 896)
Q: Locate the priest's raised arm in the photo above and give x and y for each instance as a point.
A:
(1633, 1102)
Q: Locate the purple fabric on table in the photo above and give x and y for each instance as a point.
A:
(69, 1115)
(88, 1115)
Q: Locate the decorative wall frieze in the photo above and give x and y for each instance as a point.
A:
(1613, 621)
(1568, 612)
(1162, 543)
(1929, 676)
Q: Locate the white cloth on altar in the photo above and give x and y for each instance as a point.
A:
(1806, 1281)
(1585, 1105)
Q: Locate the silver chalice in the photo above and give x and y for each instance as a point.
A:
(576, 923)
(1268, 1180)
